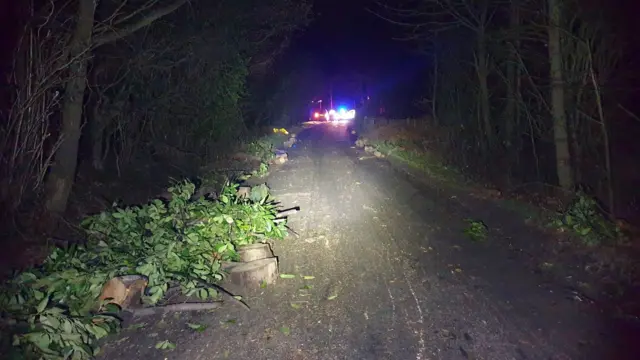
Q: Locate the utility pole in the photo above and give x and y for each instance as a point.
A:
(331, 94)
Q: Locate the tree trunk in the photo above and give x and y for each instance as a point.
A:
(434, 96)
(97, 136)
(483, 73)
(575, 133)
(60, 180)
(512, 111)
(560, 134)
(605, 139)
(96, 100)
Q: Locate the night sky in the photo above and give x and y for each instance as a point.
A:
(345, 36)
(345, 39)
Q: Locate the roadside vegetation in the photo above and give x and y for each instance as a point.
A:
(600, 248)
(403, 140)
(178, 242)
(108, 102)
(102, 113)
(527, 105)
(52, 311)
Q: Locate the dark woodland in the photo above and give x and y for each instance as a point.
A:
(105, 104)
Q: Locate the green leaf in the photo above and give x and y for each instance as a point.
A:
(39, 339)
(221, 248)
(203, 294)
(27, 277)
(212, 292)
(568, 219)
(99, 332)
(111, 308)
(287, 276)
(197, 327)
(165, 345)
(38, 295)
(42, 305)
(154, 298)
(227, 218)
(285, 330)
(66, 326)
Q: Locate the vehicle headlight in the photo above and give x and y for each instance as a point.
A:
(351, 114)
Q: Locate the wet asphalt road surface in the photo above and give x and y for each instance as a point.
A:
(394, 278)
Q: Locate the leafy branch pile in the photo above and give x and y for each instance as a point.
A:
(50, 311)
(262, 148)
(584, 218)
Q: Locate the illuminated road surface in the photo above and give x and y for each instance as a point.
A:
(395, 278)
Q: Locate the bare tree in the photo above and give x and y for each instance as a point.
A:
(555, 59)
(84, 39)
(26, 143)
(558, 111)
(435, 16)
(590, 53)
(512, 113)
(60, 180)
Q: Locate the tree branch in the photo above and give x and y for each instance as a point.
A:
(131, 28)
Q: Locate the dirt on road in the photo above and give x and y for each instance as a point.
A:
(384, 270)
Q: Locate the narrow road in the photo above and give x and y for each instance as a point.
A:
(394, 278)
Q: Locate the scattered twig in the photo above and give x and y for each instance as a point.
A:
(287, 212)
(292, 231)
(229, 295)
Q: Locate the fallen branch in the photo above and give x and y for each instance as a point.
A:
(287, 212)
(292, 231)
(228, 295)
(175, 307)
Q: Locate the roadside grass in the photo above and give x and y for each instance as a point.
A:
(581, 234)
(410, 153)
(582, 216)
